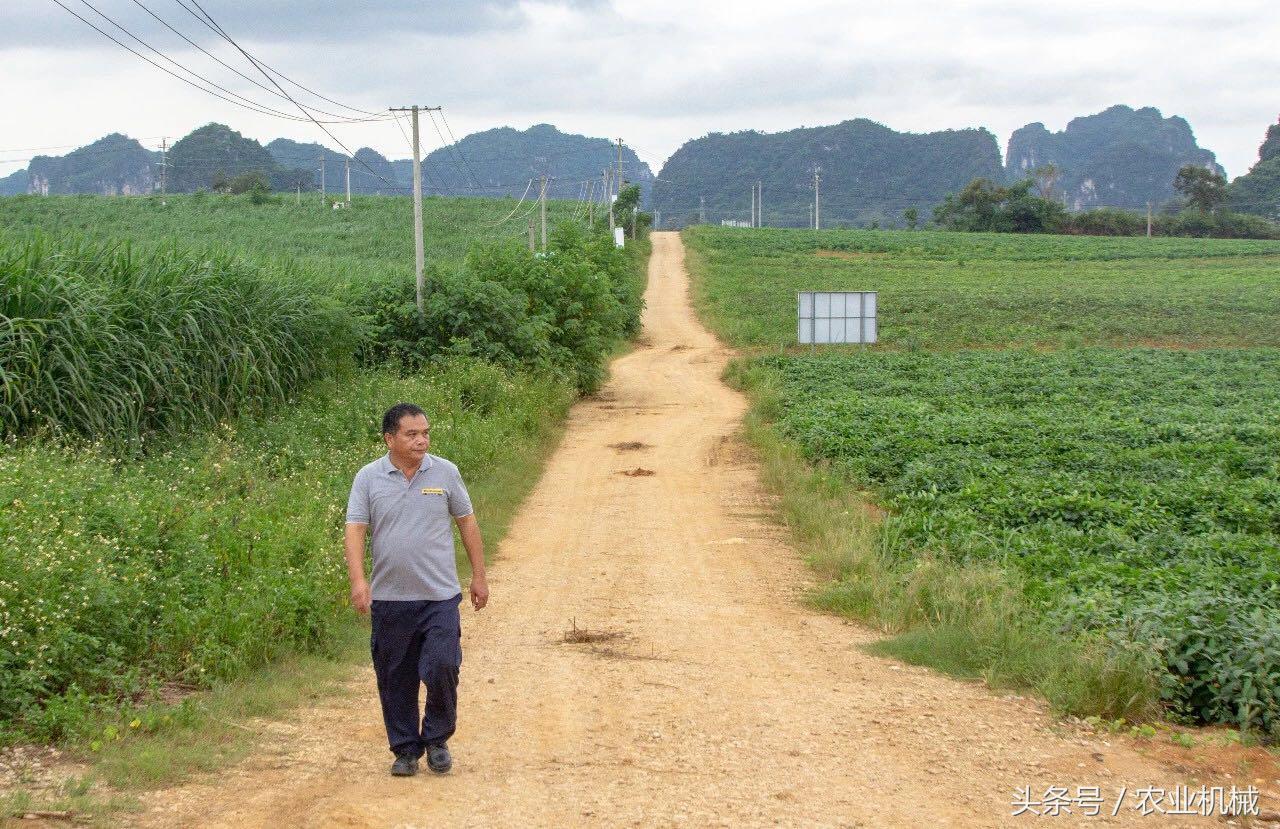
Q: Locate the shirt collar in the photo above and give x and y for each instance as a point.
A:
(387, 467)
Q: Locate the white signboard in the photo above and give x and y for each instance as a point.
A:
(836, 317)
(619, 236)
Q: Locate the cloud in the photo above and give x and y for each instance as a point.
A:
(298, 22)
(661, 72)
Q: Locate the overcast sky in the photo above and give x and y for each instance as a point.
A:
(656, 73)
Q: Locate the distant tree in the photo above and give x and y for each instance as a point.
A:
(626, 210)
(249, 182)
(912, 217)
(983, 205)
(1046, 178)
(1203, 188)
(973, 208)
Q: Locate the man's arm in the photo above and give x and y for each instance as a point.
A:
(469, 529)
(353, 542)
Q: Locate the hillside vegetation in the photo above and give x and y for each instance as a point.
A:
(869, 173)
(1120, 157)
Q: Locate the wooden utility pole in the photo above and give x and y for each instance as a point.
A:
(347, 163)
(419, 257)
(542, 197)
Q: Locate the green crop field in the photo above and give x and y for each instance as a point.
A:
(187, 387)
(955, 290)
(1012, 417)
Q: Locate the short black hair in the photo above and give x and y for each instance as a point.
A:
(391, 420)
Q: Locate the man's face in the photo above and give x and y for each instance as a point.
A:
(412, 440)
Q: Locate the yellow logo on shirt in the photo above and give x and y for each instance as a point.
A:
(432, 490)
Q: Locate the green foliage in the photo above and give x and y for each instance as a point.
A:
(563, 311)
(1138, 491)
(626, 210)
(948, 290)
(985, 206)
(221, 552)
(116, 344)
(1220, 224)
(912, 217)
(252, 182)
(1203, 189)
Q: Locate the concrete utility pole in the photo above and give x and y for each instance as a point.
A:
(608, 200)
(753, 205)
(817, 198)
(619, 166)
(657, 219)
(759, 204)
(542, 197)
(164, 164)
(321, 160)
(532, 246)
(702, 210)
(299, 199)
(419, 257)
(347, 163)
(1148, 220)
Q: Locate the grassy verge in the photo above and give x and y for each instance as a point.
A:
(288, 594)
(966, 619)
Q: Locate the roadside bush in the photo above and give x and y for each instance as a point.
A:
(563, 311)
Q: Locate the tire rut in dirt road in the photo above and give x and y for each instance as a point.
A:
(715, 699)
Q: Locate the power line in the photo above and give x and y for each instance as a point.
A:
(217, 30)
(300, 107)
(253, 108)
(450, 149)
(223, 63)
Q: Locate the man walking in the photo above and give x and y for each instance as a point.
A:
(407, 498)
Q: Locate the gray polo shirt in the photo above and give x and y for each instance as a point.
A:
(411, 534)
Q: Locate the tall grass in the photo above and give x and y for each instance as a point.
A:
(113, 342)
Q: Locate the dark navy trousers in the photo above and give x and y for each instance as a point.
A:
(417, 643)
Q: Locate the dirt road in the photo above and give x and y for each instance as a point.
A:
(720, 700)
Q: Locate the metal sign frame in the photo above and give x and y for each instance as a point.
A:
(836, 317)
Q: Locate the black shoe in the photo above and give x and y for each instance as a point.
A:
(406, 765)
(438, 759)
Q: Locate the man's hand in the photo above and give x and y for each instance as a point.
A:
(360, 598)
(479, 592)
